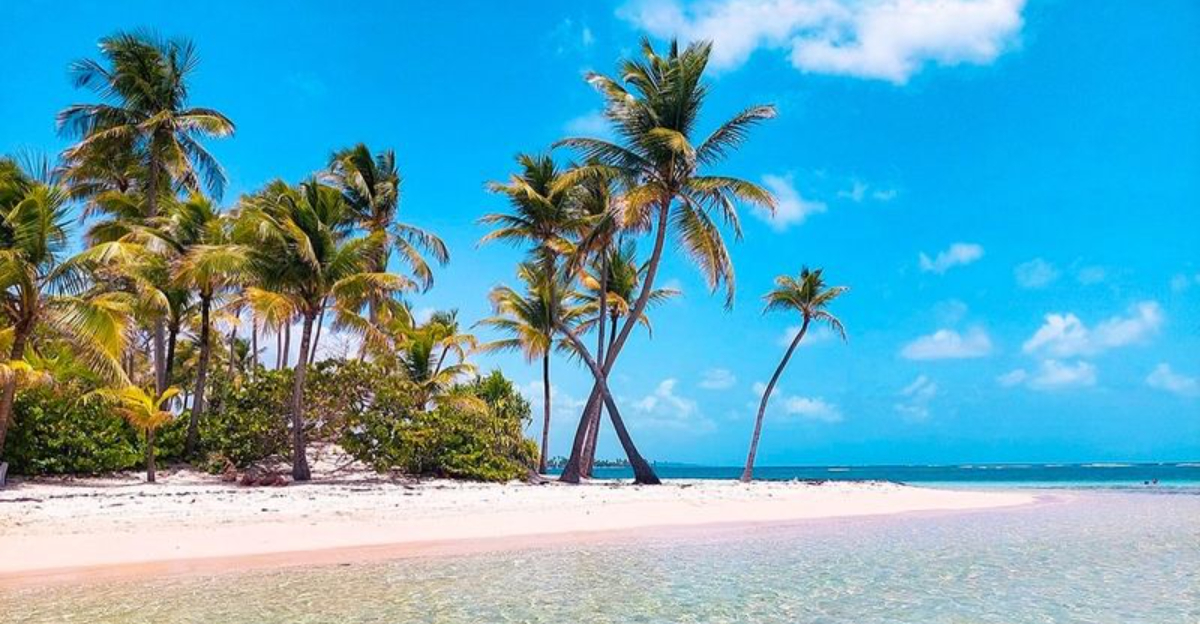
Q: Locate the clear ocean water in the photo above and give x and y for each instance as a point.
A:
(1094, 555)
(1091, 475)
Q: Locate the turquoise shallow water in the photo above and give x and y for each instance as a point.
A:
(1090, 557)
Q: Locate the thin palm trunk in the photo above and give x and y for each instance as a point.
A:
(150, 464)
(253, 344)
(748, 472)
(300, 471)
(279, 348)
(160, 351)
(21, 335)
(545, 413)
(232, 347)
(172, 336)
(287, 345)
(593, 429)
(193, 431)
(589, 449)
(312, 358)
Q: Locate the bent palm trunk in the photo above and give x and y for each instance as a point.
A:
(748, 472)
(300, 471)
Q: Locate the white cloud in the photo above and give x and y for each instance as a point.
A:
(791, 208)
(947, 344)
(1054, 375)
(591, 124)
(874, 39)
(1012, 378)
(586, 37)
(815, 409)
(562, 403)
(665, 409)
(1163, 378)
(1036, 273)
(815, 335)
(860, 191)
(1065, 335)
(717, 379)
(916, 397)
(958, 254)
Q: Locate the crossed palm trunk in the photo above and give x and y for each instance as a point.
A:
(642, 472)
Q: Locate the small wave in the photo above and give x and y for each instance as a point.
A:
(1188, 465)
(837, 470)
(1107, 465)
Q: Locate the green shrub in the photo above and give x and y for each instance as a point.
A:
(55, 433)
(245, 422)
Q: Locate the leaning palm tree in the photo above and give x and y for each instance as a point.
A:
(543, 214)
(144, 410)
(305, 251)
(808, 296)
(40, 287)
(654, 108)
(528, 319)
(143, 86)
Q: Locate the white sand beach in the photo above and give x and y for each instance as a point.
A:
(58, 529)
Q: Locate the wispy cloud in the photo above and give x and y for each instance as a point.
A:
(665, 408)
(791, 208)
(1180, 282)
(860, 191)
(1036, 273)
(874, 39)
(958, 254)
(1052, 374)
(717, 379)
(815, 335)
(815, 409)
(1164, 378)
(1065, 335)
(591, 124)
(948, 344)
(915, 399)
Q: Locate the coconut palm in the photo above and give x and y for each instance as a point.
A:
(654, 109)
(41, 286)
(210, 265)
(528, 319)
(305, 251)
(371, 186)
(144, 410)
(808, 296)
(543, 213)
(142, 83)
(434, 356)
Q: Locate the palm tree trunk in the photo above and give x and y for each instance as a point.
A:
(172, 336)
(300, 471)
(7, 398)
(589, 449)
(278, 348)
(232, 348)
(545, 413)
(748, 472)
(287, 345)
(312, 358)
(150, 467)
(642, 472)
(614, 349)
(253, 344)
(160, 355)
(193, 431)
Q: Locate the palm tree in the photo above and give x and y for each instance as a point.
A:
(144, 410)
(40, 286)
(371, 186)
(209, 265)
(143, 86)
(305, 251)
(528, 318)
(654, 108)
(543, 215)
(809, 296)
(434, 356)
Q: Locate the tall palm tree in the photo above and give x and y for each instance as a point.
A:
(528, 319)
(543, 213)
(142, 83)
(40, 285)
(654, 108)
(371, 186)
(210, 264)
(305, 250)
(808, 296)
(434, 355)
(144, 410)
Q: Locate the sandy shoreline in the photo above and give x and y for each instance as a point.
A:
(56, 530)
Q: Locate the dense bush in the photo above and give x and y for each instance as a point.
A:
(56, 433)
(245, 422)
(475, 432)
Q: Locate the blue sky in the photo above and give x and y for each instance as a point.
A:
(1009, 189)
